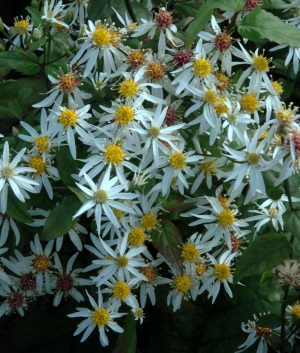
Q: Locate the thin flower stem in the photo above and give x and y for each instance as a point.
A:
(233, 22)
(282, 331)
(130, 10)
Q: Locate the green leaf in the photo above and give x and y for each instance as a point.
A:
(35, 15)
(273, 4)
(60, 221)
(101, 11)
(275, 193)
(275, 294)
(235, 5)
(35, 45)
(17, 209)
(24, 93)
(66, 166)
(266, 278)
(291, 222)
(188, 8)
(269, 320)
(203, 16)
(126, 342)
(287, 87)
(176, 205)
(80, 194)
(262, 24)
(15, 108)
(35, 84)
(20, 62)
(141, 11)
(263, 254)
(167, 240)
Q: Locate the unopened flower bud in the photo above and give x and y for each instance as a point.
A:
(34, 3)
(15, 131)
(37, 34)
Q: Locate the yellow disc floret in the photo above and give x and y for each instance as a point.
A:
(260, 63)
(148, 221)
(220, 106)
(100, 195)
(124, 115)
(100, 317)
(202, 67)
(42, 143)
(101, 36)
(68, 83)
(41, 263)
(263, 331)
(148, 272)
(222, 272)
(122, 261)
(136, 58)
(207, 167)
(68, 117)
(155, 71)
(121, 290)
(7, 172)
(38, 163)
(182, 283)
(189, 252)
(154, 131)
(114, 154)
(226, 218)
(277, 86)
(136, 236)
(249, 103)
(128, 88)
(296, 310)
(253, 158)
(210, 96)
(118, 213)
(178, 160)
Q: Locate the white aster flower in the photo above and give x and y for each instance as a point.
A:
(10, 175)
(101, 317)
(67, 280)
(7, 222)
(102, 198)
(53, 10)
(162, 21)
(266, 215)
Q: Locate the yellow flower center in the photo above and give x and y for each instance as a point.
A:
(222, 272)
(277, 86)
(100, 196)
(226, 218)
(124, 115)
(155, 71)
(100, 317)
(249, 103)
(68, 117)
(101, 36)
(148, 221)
(182, 283)
(41, 263)
(178, 160)
(253, 158)
(22, 24)
(200, 267)
(223, 81)
(114, 154)
(207, 168)
(139, 313)
(149, 273)
(189, 253)
(223, 201)
(121, 290)
(38, 164)
(42, 143)
(286, 116)
(128, 88)
(260, 63)
(154, 131)
(263, 331)
(68, 83)
(118, 213)
(136, 236)
(122, 261)
(273, 213)
(7, 172)
(202, 67)
(296, 310)
(136, 58)
(220, 107)
(210, 96)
